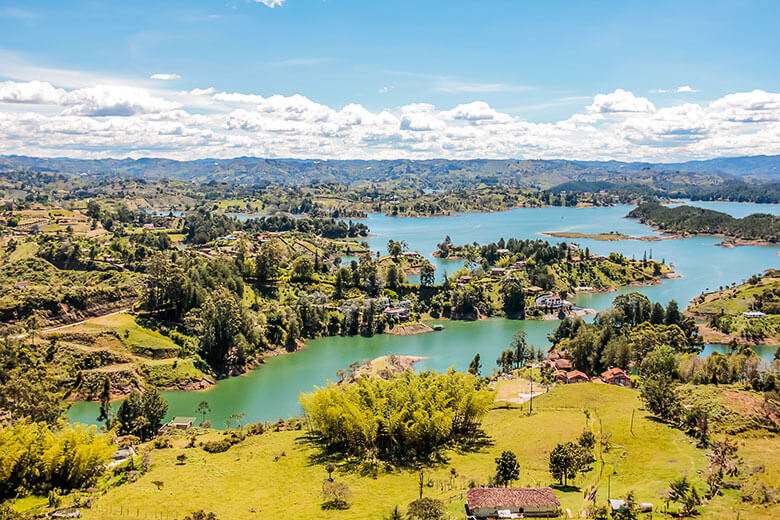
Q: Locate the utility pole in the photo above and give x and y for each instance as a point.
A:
(531, 402)
(632, 421)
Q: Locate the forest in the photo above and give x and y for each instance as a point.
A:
(688, 220)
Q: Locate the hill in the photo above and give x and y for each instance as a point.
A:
(433, 173)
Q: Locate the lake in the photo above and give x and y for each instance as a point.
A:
(272, 391)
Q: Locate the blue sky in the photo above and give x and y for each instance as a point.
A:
(537, 62)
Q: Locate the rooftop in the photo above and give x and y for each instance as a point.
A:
(502, 498)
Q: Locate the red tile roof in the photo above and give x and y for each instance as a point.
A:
(613, 372)
(511, 498)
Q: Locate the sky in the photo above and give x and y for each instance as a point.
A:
(342, 79)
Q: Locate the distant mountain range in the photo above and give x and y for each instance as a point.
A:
(433, 173)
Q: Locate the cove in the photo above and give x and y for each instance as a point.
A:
(272, 390)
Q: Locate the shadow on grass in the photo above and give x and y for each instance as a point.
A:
(565, 489)
(348, 463)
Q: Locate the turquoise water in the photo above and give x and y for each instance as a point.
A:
(272, 391)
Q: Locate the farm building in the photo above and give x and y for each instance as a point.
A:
(483, 503)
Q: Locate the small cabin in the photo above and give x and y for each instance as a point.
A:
(753, 314)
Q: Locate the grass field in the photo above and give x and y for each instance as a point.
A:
(130, 330)
(275, 474)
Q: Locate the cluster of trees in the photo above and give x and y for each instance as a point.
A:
(571, 458)
(202, 226)
(141, 415)
(690, 220)
(38, 457)
(625, 334)
(402, 419)
(519, 353)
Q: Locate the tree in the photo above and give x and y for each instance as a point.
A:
(394, 276)
(685, 494)
(303, 268)
(506, 360)
(336, 495)
(660, 362)
(269, 262)
(330, 468)
(201, 515)
(475, 366)
(507, 468)
(514, 298)
(395, 514)
(673, 315)
(32, 324)
(630, 509)
(427, 274)
(657, 316)
(105, 403)
(203, 409)
(142, 415)
(520, 346)
(426, 509)
(660, 395)
(565, 462)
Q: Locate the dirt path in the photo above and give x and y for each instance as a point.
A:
(60, 327)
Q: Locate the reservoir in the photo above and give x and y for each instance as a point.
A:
(272, 390)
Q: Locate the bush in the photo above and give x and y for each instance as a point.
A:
(336, 495)
(220, 445)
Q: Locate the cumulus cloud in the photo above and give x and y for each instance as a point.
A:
(685, 88)
(110, 100)
(164, 76)
(123, 120)
(620, 101)
(32, 92)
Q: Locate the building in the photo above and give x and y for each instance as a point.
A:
(21, 285)
(551, 301)
(397, 313)
(616, 376)
(120, 456)
(483, 503)
(562, 364)
(618, 506)
(534, 289)
(598, 258)
(497, 271)
(503, 251)
(575, 376)
(754, 314)
(181, 423)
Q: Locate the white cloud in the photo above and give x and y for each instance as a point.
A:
(659, 91)
(270, 3)
(32, 92)
(685, 88)
(620, 101)
(109, 100)
(109, 120)
(384, 90)
(164, 76)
